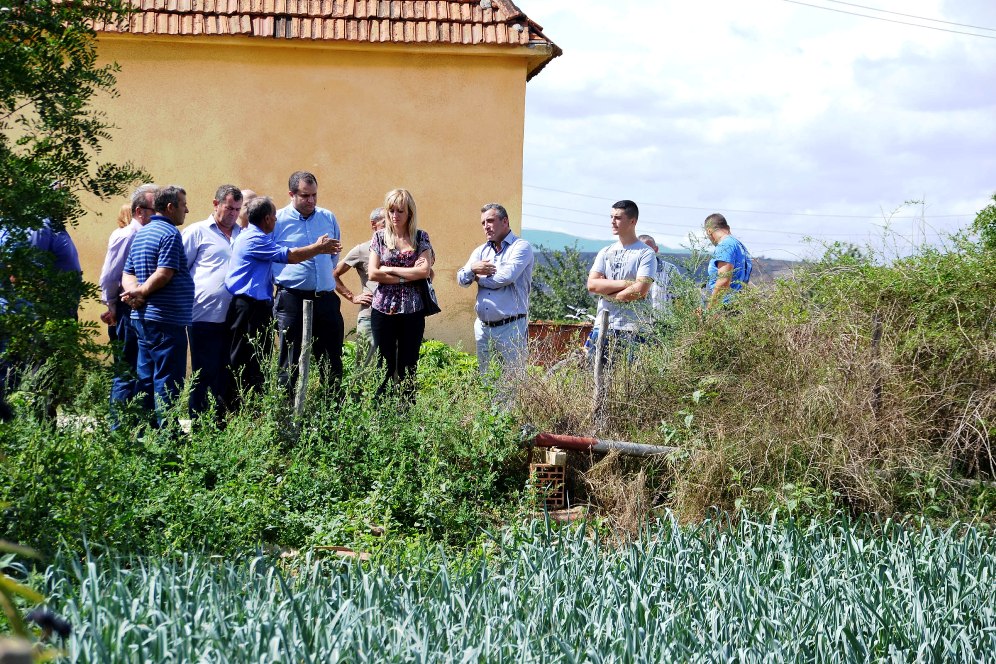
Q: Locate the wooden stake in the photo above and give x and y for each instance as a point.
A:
(876, 366)
(305, 362)
(600, 345)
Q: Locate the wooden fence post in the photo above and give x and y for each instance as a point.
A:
(305, 362)
(876, 366)
(600, 344)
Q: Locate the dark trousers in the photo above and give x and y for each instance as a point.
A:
(124, 385)
(162, 363)
(248, 323)
(327, 333)
(210, 348)
(398, 338)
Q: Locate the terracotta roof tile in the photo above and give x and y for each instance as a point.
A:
(500, 23)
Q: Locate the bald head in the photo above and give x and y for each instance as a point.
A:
(247, 196)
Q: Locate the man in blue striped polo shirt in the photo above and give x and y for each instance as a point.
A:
(158, 287)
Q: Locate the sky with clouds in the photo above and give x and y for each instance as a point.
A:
(793, 119)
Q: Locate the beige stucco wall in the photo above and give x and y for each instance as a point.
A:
(445, 124)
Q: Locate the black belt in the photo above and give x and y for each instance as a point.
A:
(307, 294)
(249, 298)
(503, 321)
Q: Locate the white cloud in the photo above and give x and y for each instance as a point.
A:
(759, 105)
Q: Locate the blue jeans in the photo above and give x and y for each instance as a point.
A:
(124, 385)
(162, 363)
(505, 344)
(210, 353)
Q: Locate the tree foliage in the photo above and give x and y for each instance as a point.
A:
(985, 224)
(48, 130)
(560, 285)
(50, 141)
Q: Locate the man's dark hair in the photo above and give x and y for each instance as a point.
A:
(502, 213)
(226, 190)
(716, 220)
(297, 177)
(258, 209)
(166, 196)
(628, 207)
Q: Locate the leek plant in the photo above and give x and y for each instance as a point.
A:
(724, 590)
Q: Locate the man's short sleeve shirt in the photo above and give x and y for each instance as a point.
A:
(730, 250)
(630, 262)
(293, 231)
(159, 244)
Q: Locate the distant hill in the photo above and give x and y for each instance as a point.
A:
(765, 269)
(554, 240)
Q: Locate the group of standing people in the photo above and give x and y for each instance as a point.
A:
(220, 285)
(633, 283)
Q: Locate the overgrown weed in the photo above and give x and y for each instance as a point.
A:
(789, 402)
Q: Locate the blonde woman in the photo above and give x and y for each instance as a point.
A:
(400, 254)
(124, 215)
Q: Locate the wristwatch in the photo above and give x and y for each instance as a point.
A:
(401, 280)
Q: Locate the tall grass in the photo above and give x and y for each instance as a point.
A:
(790, 401)
(840, 591)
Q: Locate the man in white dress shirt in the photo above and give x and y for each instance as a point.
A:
(208, 246)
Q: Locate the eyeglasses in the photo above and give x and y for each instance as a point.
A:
(146, 207)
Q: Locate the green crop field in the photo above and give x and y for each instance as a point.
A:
(835, 591)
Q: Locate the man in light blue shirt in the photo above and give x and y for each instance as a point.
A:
(250, 283)
(300, 224)
(662, 291)
(120, 329)
(503, 270)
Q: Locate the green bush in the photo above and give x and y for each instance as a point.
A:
(560, 285)
(443, 467)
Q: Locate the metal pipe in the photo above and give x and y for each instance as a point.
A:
(584, 444)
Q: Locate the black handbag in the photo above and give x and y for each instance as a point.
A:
(430, 305)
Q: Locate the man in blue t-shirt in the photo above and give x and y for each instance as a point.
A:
(730, 266)
(158, 287)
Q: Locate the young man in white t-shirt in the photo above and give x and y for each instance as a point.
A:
(622, 276)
